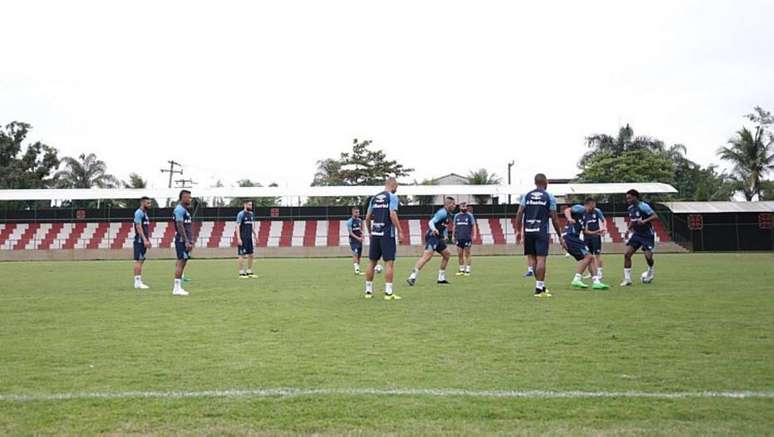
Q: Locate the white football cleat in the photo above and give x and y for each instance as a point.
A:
(141, 286)
(626, 283)
(180, 292)
(645, 278)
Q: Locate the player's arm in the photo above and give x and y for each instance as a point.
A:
(602, 222)
(140, 231)
(557, 228)
(519, 220)
(368, 218)
(255, 233)
(476, 233)
(568, 215)
(394, 215)
(179, 225)
(236, 231)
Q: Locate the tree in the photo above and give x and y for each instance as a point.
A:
(22, 168)
(361, 166)
(238, 202)
(637, 165)
(751, 153)
(482, 177)
(85, 171)
(136, 182)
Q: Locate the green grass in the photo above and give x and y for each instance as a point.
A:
(706, 323)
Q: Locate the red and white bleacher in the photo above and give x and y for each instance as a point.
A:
(271, 233)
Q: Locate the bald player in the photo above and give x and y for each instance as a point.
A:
(383, 228)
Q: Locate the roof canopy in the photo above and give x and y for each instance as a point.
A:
(718, 207)
(330, 191)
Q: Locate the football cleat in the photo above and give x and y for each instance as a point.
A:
(411, 282)
(529, 273)
(391, 297)
(625, 283)
(646, 278)
(600, 286)
(460, 273)
(244, 277)
(141, 286)
(443, 282)
(180, 292)
(369, 295)
(542, 293)
(578, 284)
(467, 273)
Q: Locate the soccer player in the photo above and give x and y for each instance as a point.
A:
(246, 236)
(183, 239)
(577, 248)
(465, 231)
(355, 228)
(383, 228)
(530, 267)
(641, 235)
(594, 227)
(435, 241)
(141, 240)
(536, 208)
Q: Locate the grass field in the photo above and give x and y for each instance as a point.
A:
(705, 324)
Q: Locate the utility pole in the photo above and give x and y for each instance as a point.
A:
(172, 172)
(184, 183)
(510, 164)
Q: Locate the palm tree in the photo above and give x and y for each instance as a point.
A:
(482, 177)
(86, 171)
(752, 156)
(135, 181)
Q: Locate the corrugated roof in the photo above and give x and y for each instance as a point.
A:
(718, 207)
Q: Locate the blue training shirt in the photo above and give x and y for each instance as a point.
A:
(181, 215)
(538, 205)
(355, 225)
(439, 222)
(574, 229)
(380, 207)
(463, 225)
(641, 211)
(141, 218)
(593, 222)
(245, 221)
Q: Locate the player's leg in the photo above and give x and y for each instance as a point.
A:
(374, 254)
(182, 260)
(139, 260)
(241, 264)
(427, 255)
(530, 266)
(584, 262)
(445, 256)
(540, 271)
(648, 276)
(468, 255)
(630, 249)
(461, 259)
(250, 263)
(389, 253)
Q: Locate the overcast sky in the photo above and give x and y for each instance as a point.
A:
(263, 90)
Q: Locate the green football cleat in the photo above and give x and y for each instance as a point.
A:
(600, 286)
(391, 297)
(369, 295)
(578, 284)
(459, 273)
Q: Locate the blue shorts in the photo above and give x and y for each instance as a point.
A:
(182, 254)
(139, 251)
(382, 247)
(464, 244)
(536, 244)
(594, 244)
(357, 248)
(576, 247)
(646, 242)
(434, 243)
(246, 248)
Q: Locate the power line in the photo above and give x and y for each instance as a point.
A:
(172, 171)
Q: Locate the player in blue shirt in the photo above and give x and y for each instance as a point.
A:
(183, 239)
(536, 209)
(141, 240)
(465, 230)
(383, 227)
(641, 235)
(246, 236)
(435, 241)
(356, 237)
(594, 227)
(577, 248)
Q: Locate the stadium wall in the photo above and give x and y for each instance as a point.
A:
(725, 231)
(282, 232)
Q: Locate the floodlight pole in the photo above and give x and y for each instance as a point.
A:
(510, 164)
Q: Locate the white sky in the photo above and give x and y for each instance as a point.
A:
(262, 90)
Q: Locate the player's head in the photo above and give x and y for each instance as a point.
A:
(632, 196)
(184, 197)
(541, 181)
(391, 184)
(449, 203)
(248, 205)
(468, 208)
(590, 203)
(356, 212)
(463, 206)
(145, 202)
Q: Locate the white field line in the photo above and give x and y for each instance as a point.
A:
(289, 392)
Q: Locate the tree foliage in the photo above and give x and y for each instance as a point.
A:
(24, 168)
(85, 171)
(483, 177)
(751, 154)
(238, 202)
